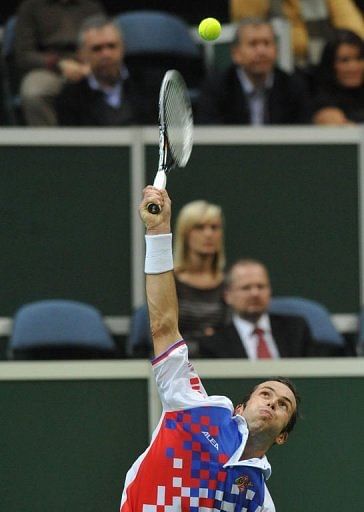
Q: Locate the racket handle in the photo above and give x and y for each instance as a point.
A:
(160, 182)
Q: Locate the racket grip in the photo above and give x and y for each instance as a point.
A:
(160, 182)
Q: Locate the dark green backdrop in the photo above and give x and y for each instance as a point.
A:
(294, 207)
(66, 445)
(65, 226)
(65, 219)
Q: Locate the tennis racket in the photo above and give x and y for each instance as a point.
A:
(175, 129)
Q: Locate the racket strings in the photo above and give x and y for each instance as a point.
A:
(178, 120)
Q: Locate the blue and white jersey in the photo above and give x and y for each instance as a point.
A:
(193, 463)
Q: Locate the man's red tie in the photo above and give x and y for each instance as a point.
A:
(263, 351)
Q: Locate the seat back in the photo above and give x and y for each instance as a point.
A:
(156, 41)
(53, 329)
(156, 32)
(316, 315)
(140, 338)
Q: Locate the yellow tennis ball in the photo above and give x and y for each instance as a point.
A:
(209, 29)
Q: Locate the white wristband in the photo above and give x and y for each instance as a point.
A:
(158, 255)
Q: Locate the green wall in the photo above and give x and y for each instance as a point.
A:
(65, 228)
(66, 445)
(295, 207)
(66, 218)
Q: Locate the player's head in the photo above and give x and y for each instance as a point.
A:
(254, 48)
(101, 46)
(271, 409)
(247, 289)
(199, 230)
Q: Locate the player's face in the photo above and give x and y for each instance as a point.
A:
(103, 50)
(205, 237)
(349, 66)
(250, 292)
(256, 51)
(269, 410)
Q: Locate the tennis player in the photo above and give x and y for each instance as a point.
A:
(205, 455)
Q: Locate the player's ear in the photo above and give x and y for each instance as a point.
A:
(239, 409)
(281, 438)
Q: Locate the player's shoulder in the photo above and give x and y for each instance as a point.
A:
(177, 350)
(179, 384)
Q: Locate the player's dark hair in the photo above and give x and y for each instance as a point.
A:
(295, 415)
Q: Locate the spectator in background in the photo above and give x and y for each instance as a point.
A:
(322, 17)
(199, 263)
(253, 333)
(311, 21)
(340, 81)
(290, 9)
(347, 14)
(108, 95)
(253, 90)
(45, 44)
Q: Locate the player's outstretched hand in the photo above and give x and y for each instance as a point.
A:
(160, 223)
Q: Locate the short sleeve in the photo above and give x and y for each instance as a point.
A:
(179, 385)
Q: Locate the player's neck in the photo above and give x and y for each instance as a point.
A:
(255, 448)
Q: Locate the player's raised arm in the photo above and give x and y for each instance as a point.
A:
(160, 285)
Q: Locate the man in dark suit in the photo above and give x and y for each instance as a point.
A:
(108, 95)
(253, 90)
(253, 333)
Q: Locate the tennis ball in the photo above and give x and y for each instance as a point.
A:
(209, 29)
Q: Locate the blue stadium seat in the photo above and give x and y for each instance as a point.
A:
(316, 315)
(60, 329)
(156, 41)
(140, 338)
(156, 32)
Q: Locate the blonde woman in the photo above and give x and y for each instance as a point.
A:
(199, 261)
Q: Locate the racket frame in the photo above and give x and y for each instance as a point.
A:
(167, 161)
